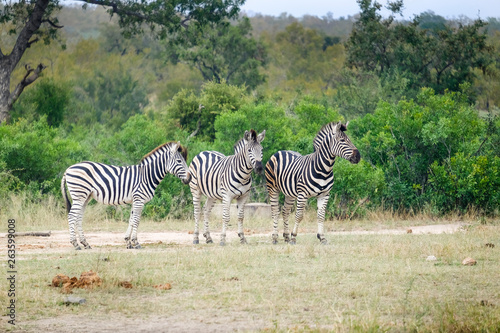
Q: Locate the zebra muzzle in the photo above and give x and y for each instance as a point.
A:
(187, 179)
(258, 167)
(355, 157)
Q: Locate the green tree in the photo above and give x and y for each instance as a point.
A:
(440, 57)
(223, 52)
(34, 20)
(308, 58)
(184, 110)
(47, 98)
(406, 138)
(37, 153)
(113, 97)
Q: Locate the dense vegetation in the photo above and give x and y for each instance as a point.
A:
(422, 99)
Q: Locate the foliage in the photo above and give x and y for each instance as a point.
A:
(407, 138)
(466, 181)
(111, 98)
(34, 152)
(354, 187)
(106, 98)
(440, 57)
(223, 52)
(34, 19)
(184, 110)
(49, 98)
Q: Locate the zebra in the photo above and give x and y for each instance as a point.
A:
(302, 177)
(225, 178)
(115, 185)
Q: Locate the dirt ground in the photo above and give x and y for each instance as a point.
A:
(58, 242)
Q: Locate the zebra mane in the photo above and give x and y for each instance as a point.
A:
(325, 130)
(182, 150)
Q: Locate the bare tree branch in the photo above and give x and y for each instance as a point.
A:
(30, 77)
(53, 24)
(32, 42)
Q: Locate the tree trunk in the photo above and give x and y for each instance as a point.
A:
(9, 62)
(4, 93)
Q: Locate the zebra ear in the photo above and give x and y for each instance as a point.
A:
(341, 127)
(248, 136)
(175, 146)
(261, 136)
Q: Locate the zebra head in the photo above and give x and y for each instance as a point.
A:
(341, 145)
(253, 148)
(176, 162)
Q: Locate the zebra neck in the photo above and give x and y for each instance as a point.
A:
(154, 170)
(242, 155)
(323, 158)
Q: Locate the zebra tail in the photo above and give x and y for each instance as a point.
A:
(65, 194)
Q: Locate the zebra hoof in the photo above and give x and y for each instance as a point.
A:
(275, 241)
(222, 243)
(138, 246)
(196, 241)
(292, 242)
(78, 248)
(209, 241)
(87, 247)
(324, 242)
(243, 241)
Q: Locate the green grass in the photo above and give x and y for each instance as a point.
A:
(360, 283)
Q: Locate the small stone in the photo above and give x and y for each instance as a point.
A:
(73, 300)
(469, 262)
(431, 258)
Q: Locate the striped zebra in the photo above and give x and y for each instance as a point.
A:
(225, 178)
(302, 177)
(115, 185)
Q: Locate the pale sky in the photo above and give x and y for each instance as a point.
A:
(446, 8)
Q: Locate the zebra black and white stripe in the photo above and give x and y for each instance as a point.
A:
(115, 185)
(225, 178)
(302, 177)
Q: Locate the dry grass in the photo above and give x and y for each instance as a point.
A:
(50, 214)
(356, 283)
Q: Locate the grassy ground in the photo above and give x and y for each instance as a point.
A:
(356, 283)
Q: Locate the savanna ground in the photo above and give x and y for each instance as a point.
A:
(372, 276)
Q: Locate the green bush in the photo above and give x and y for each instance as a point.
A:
(355, 188)
(465, 182)
(47, 98)
(36, 153)
(406, 138)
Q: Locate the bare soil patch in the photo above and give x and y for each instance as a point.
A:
(58, 241)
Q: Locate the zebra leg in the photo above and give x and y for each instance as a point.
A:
(322, 202)
(275, 212)
(241, 214)
(226, 205)
(299, 214)
(287, 208)
(209, 204)
(197, 213)
(83, 241)
(75, 215)
(135, 217)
